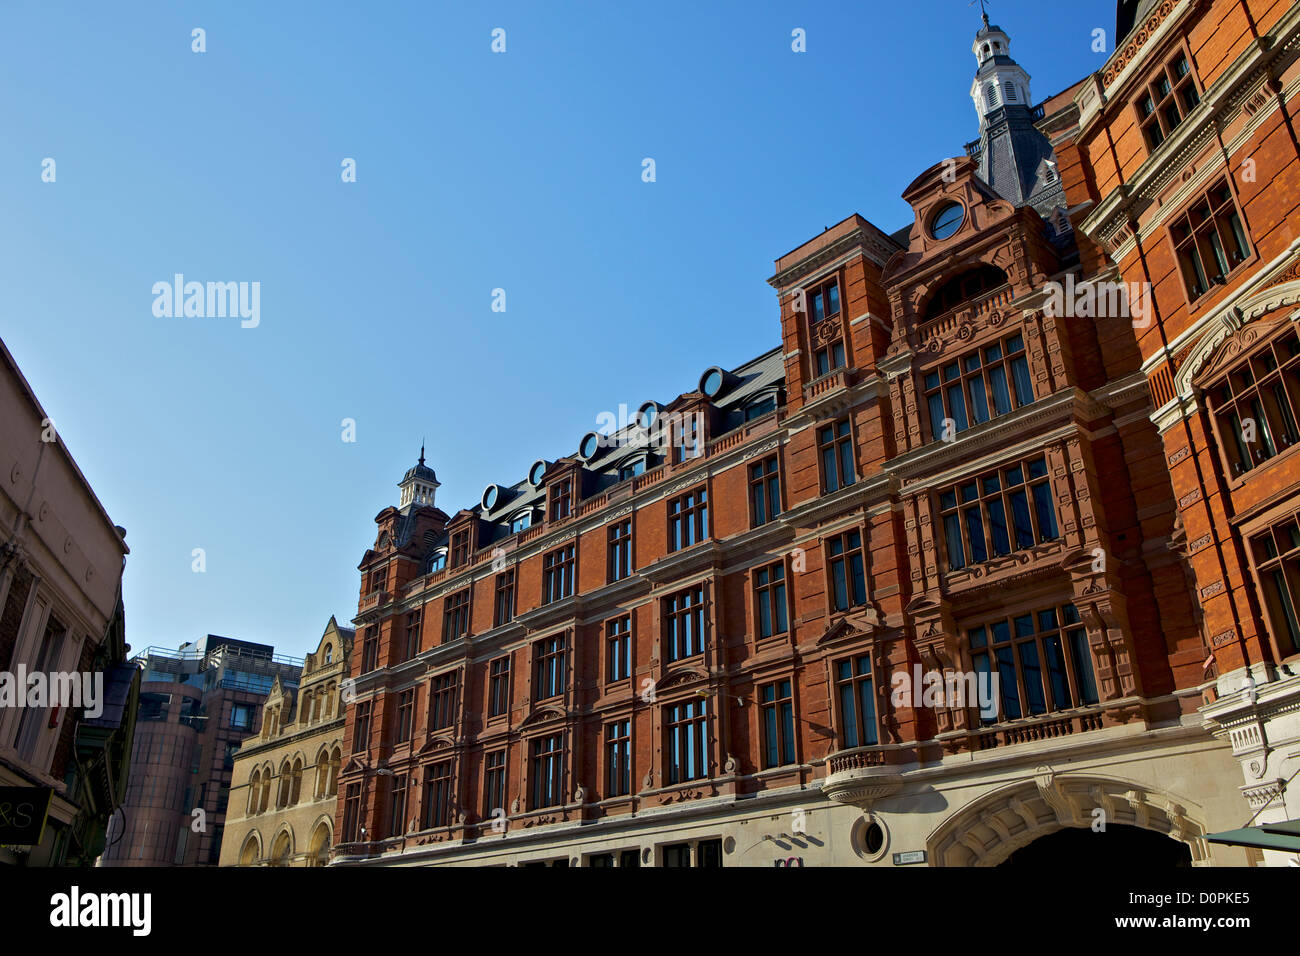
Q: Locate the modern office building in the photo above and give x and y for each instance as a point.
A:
(197, 705)
(970, 569)
(63, 765)
(284, 789)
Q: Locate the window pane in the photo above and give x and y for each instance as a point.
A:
(998, 527)
(1007, 684)
(979, 401)
(1033, 677)
(998, 386)
(1046, 513)
(1083, 661)
(975, 535)
(952, 537)
(848, 714)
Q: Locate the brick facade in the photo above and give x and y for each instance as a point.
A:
(971, 482)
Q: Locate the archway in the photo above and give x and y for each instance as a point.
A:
(252, 850)
(989, 830)
(319, 848)
(1083, 848)
(282, 849)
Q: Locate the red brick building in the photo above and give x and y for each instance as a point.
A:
(1183, 164)
(925, 583)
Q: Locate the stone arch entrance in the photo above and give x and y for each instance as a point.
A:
(989, 830)
(1083, 849)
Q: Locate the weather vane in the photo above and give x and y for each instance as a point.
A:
(983, 8)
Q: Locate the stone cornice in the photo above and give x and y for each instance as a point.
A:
(873, 243)
(1045, 420)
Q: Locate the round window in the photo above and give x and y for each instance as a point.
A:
(490, 495)
(536, 472)
(646, 414)
(589, 446)
(712, 383)
(873, 838)
(948, 220)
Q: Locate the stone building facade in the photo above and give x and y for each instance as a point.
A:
(197, 705)
(920, 585)
(284, 785)
(63, 769)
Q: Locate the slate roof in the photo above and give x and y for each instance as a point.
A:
(747, 384)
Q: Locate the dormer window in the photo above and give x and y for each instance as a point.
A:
(760, 408)
(329, 653)
(561, 499)
(521, 521)
(439, 560)
(631, 469)
(460, 548)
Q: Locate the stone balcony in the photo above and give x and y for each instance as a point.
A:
(860, 776)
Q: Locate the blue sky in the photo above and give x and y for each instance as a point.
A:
(475, 171)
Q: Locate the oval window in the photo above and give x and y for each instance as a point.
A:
(712, 384)
(647, 414)
(490, 495)
(536, 472)
(948, 220)
(589, 446)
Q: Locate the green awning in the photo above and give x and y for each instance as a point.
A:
(1267, 836)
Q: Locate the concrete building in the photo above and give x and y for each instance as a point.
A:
(197, 705)
(284, 786)
(63, 765)
(928, 583)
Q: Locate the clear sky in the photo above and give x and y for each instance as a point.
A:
(475, 171)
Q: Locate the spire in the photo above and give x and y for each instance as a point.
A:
(421, 451)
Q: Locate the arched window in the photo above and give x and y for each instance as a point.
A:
(991, 95)
(322, 774)
(254, 791)
(286, 781)
(965, 287)
(266, 789)
(252, 850)
(282, 849)
(1011, 92)
(295, 791)
(318, 853)
(329, 653)
(335, 760)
